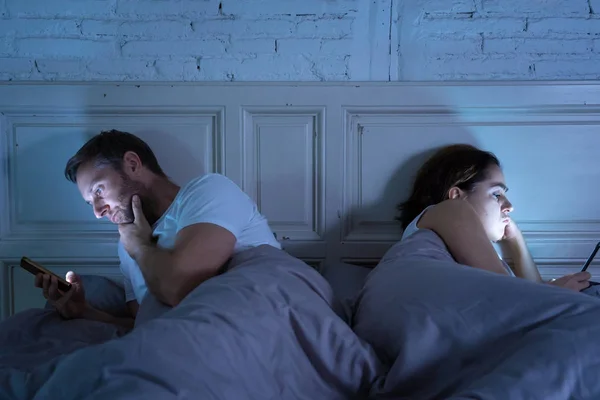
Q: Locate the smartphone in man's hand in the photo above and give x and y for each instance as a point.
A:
(35, 268)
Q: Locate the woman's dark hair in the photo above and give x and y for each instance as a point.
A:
(460, 165)
(109, 148)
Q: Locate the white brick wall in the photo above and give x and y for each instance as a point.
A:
(185, 40)
(189, 40)
(500, 39)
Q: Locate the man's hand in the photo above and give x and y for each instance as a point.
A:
(70, 304)
(577, 281)
(138, 233)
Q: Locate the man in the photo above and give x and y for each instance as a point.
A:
(171, 238)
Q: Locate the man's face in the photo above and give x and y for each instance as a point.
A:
(108, 191)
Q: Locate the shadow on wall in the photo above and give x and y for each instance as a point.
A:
(175, 156)
(178, 141)
(375, 221)
(41, 193)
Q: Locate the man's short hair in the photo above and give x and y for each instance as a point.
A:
(109, 148)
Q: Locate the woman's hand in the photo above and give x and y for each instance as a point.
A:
(512, 233)
(577, 281)
(513, 246)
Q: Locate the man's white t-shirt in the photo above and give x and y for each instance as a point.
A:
(210, 198)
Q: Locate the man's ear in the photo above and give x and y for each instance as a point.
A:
(455, 193)
(132, 163)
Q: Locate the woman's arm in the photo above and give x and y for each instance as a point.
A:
(459, 226)
(513, 246)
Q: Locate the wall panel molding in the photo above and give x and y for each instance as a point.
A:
(427, 128)
(327, 162)
(24, 130)
(5, 297)
(5, 215)
(283, 168)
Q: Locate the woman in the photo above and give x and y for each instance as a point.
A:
(447, 330)
(460, 194)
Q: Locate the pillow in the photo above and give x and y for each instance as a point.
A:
(104, 294)
(346, 280)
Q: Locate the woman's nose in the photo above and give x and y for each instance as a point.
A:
(508, 207)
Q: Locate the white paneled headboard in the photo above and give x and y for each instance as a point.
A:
(327, 163)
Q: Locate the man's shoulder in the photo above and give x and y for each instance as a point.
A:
(124, 257)
(208, 180)
(212, 198)
(211, 188)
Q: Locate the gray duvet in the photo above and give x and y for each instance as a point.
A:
(424, 326)
(448, 331)
(265, 329)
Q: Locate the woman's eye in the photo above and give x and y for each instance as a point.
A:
(98, 192)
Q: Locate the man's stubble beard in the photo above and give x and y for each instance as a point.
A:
(129, 188)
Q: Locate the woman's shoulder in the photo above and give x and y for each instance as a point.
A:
(413, 226)
(422, 244)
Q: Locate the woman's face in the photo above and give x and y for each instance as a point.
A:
(490, 202)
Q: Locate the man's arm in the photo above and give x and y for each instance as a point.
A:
(457, 223)
(127, 322)
(211, 213)
(97, 315)
(73, 304)
(199, 252)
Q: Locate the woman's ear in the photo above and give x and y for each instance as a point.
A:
(455, 193)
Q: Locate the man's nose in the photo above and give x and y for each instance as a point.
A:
(100, 210)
